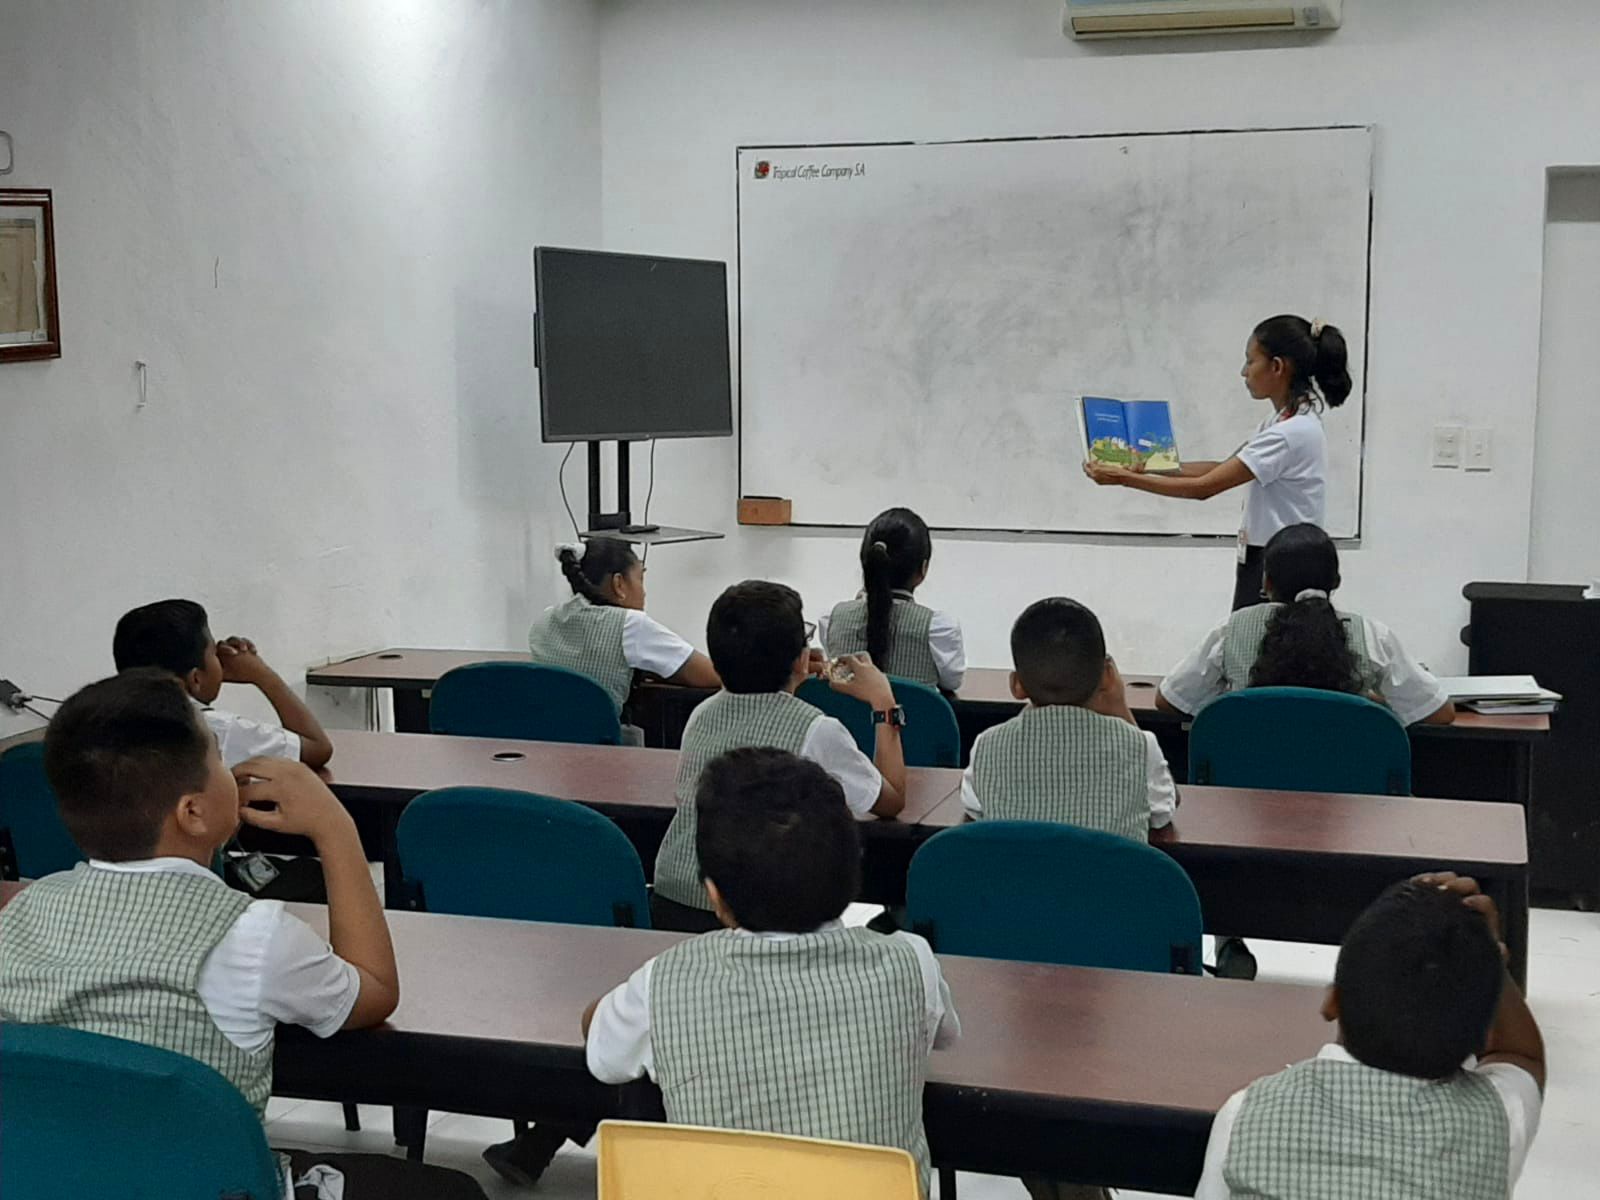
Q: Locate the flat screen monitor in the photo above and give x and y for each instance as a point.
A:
(631, 346)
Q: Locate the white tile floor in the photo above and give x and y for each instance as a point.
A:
(1564, 973)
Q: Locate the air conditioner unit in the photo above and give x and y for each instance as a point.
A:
(1089, 19)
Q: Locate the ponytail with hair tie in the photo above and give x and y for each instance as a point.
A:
(602, 558)
(1305, 643)
(893, 551)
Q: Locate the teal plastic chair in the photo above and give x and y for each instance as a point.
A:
(931, 737)
(40, 842)
(1300, 740)
(492, 852)
(87, 1115)
(524, 701)
(1032, 891)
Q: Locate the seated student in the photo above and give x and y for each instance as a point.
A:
(1074, 755)
(176, 636)
(1298, 639)
(757, 639)
(903, 637)
(1398, 1106)
(143, 942)
(603, 632)
(785, 1021)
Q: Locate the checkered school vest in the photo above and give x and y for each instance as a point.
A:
(1330, 1130)
(824, 1035)
(1068, 765)
(119, 953)
(1241, 645)
(910, 656)
(725, 722)
(586, 638)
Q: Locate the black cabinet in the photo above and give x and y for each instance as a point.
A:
(1551, 632)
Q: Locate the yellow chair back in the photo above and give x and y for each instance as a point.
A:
(646, 1160)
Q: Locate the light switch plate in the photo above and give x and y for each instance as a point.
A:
(1480, 448)
(1448, 445)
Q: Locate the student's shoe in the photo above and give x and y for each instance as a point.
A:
(524, 1158)
(1234, 960)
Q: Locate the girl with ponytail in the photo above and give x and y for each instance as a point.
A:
(1301, 367)
(1299, 639)
(603, 632)
(903, 638)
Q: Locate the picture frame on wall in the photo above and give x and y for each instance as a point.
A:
(30, 320)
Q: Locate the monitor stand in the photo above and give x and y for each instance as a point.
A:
(619, 524)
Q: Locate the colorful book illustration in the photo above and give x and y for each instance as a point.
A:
(1126, 432)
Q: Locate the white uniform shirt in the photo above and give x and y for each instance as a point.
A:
(1406, 686)
(270, 967)
(1162, 791)
(945, 643)
(1289, 460)
(648, 645)
(619, 1047)
(1517, 1090)
(829, 744)
(240, 739)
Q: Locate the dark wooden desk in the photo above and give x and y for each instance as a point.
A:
(1297, 866)
(1103, 1076)
(1478, 758)
(378, 774)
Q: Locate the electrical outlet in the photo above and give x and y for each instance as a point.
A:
(1480, 447)
(1447, 445)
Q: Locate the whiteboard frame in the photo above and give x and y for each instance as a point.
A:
(1111, 537)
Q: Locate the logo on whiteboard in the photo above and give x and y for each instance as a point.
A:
(763, 169)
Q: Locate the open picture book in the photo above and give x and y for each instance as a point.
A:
(1128, 432)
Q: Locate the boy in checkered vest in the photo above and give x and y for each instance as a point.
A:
(1074, 755)
(1434, 1087)
(757, 636)
(144, 942)
(784, 1020)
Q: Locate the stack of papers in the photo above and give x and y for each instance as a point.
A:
(1503, 694)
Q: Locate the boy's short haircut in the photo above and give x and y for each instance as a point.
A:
(1059, 651)
(775, 835)
(170, 634)
(119, 753)
(1419, 979)
(756, 631)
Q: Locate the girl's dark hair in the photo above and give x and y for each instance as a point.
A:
(1317, 354)
(602, 558)
(1305, 644)
(893, 551)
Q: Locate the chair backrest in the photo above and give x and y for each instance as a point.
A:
(28, 812)
(88, 1115)
(526, 701)
(648, 1160)
(489, 852)
(1039, 892)
(931, 738)
(1300, 740)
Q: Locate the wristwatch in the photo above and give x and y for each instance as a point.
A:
(894, 717)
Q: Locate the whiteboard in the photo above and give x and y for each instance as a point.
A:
(917, 320)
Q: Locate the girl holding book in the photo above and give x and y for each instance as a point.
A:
(1300, 366)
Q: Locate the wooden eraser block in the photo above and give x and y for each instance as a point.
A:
(764, 510)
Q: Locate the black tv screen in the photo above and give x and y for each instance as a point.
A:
(631, 346)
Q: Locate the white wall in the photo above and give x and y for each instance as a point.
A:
(313, 222)
(1472, 101)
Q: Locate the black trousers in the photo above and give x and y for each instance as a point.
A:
(1247, 578)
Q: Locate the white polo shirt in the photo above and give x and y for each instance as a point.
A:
(1289, 459)
(648, 645)
(240, 739)
(270, 967)
(619, 1047)
(1517, 1089)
